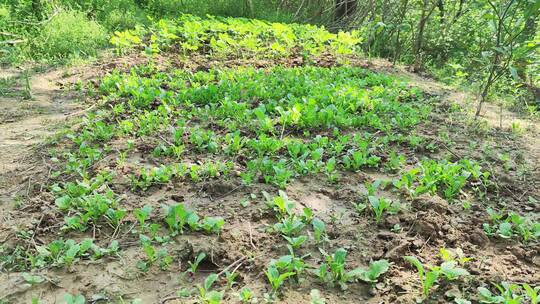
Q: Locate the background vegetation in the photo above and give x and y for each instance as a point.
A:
(492, 45)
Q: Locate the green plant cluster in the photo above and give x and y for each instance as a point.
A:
(332, 271)
(269, 116)
(512, 225)
(442, 177)
(236, 37)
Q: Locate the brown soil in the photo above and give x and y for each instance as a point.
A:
(429, 223)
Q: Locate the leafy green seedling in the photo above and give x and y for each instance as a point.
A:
(177, 216)
(195, 264)
(74, 299)
(448, 270)
(231, 277)
(115, 216)
(532, 292)
(212, 224)
(32, 279)
(246, 296)
(289, 226)
(280, 204)
(376, 269)
(379, 206)
(319, 230)
(296, 242)
(206, 294)
(276, 278)
(333, 270)
(427, 278)
(142, 215)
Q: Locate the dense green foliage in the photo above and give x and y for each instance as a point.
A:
(492, 45)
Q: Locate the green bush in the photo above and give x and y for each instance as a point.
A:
(70, 34)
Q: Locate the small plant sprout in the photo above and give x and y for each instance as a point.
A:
(115, 216)
(206, 294)
(290, 226)
(333, 270)
(319, 230)
(296, 242)
(375, 269)
(231, 277)
(212, 224)
(195, 264)
(508, 294)
(380, 205)
(177, 216)
(245, 295)
(430, 274)
(427, 278)
(142, 215)
(281, 204)
(32, 279)
(275, 278)
(74, 299)
(454, 255)
(372, 187)
(532, 292)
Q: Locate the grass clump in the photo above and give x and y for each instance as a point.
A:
(70, 33)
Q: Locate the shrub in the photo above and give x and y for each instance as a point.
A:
(69, 33)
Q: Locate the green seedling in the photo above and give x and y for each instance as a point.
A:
(231, 277)
(115, 216)
(319, 230)
(532, 292)
(330, 170)
(280, 204)
(457, 255)
(74, 299)
(333, 270)
(381, 205)
(275, 278)
(142, 215)
(375, 270)
(212, 224)
(427, 278)
(394, 162)
(195, 264)
(289, 226)
(246, 296)
(177, 216)
(296, 242)
(32, 279)
(206, 294)
(372, 187)
(507, 294)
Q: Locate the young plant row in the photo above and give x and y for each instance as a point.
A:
(236, 37)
